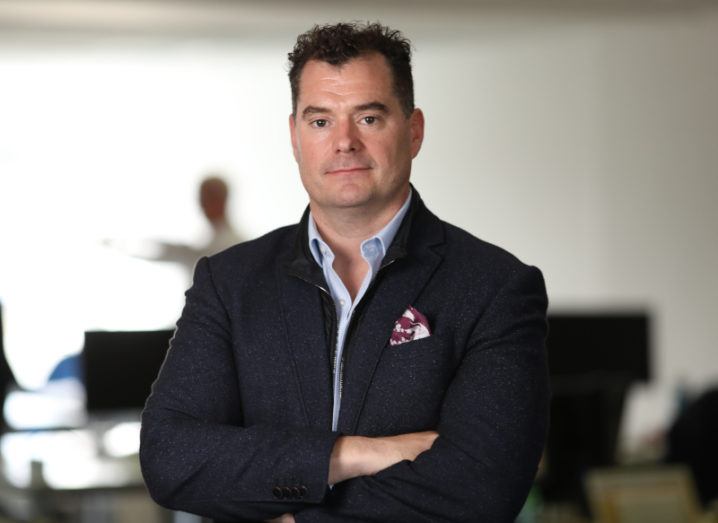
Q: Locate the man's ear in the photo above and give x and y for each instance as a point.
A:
(416, 128)
(292, 130)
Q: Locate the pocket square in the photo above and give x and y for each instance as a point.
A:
(412, 325)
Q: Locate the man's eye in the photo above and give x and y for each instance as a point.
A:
(319, 123)
(369, 119)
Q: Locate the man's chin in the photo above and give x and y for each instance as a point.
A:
(352, 203)
(352, 196)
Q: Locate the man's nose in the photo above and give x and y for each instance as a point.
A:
(347, 137)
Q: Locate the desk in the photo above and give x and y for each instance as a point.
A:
(78, 475)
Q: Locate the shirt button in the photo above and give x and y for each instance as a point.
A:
(342, 302)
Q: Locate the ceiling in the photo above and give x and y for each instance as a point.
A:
(253, 17)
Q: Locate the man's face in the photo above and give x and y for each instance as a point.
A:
(351, 140)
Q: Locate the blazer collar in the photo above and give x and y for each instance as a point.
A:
(419, 229)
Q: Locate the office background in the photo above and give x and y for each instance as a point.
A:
(582, 136)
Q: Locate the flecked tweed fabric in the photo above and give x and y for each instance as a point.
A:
(238, 425)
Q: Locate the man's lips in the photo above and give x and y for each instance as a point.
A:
(348, 170)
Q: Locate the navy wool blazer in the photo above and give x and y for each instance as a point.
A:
(238, 425)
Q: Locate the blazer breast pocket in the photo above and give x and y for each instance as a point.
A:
(408, 387)
(425, 351)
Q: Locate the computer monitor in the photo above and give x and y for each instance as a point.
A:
(599, 343)
(120, 367)
(593, 360)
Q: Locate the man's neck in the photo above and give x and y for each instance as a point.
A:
(345, 230)
(218, 223)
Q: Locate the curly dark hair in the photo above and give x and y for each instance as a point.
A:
(339, 43)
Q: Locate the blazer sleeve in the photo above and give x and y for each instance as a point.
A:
(195, 454)
(492, 428)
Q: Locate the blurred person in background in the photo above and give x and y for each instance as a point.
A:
(213, 198)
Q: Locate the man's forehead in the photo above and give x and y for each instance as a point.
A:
(370, 57)
(368, 73)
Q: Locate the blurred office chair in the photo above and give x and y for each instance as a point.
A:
(693, 441)
(661, 494)
(7, 379)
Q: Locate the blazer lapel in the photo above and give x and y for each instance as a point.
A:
(303, 320)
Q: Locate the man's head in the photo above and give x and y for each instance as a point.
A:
(213, 198)
(354, 129)
(339, 43)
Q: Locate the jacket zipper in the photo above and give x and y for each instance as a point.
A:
(350, 330)
(351, 327)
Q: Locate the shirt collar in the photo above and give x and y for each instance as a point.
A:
(384, 237)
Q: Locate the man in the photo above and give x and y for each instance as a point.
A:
(371, 363)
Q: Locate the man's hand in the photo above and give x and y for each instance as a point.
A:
(354, 456)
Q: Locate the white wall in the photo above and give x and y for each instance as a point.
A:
(587, 145)
(583, 140)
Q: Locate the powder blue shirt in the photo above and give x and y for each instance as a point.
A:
(372, 250)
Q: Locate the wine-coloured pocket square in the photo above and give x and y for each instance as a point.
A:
(412, 325)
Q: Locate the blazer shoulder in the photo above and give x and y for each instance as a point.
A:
(487, 262)
(462, 240)
(254, 255)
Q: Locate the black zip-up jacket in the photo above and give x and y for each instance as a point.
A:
(238, 425)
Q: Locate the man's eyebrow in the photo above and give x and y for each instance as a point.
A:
(369, 106)
(313, 109)
(372, 106)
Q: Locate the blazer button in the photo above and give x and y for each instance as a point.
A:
(295, 493)
(277, 491)
(302, 491)
(286, 492)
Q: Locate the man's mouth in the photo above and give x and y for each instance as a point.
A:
(348, 170)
